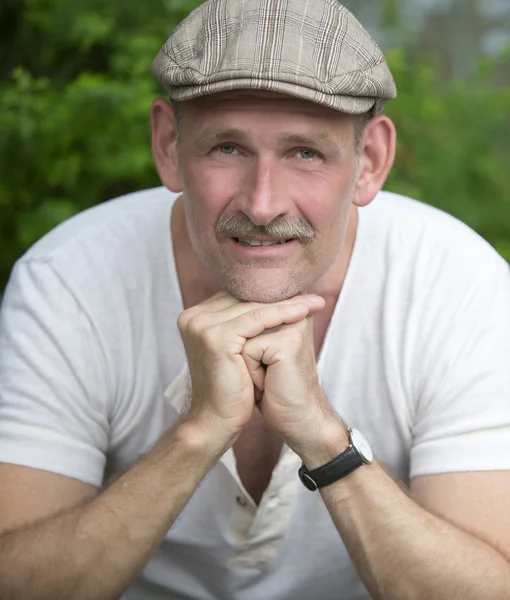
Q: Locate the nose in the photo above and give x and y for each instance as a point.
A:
(265, 195)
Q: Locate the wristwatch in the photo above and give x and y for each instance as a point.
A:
(357, 454)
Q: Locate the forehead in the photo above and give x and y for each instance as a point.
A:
(243, 106)
(244, 101)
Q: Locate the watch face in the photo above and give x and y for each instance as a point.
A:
(362, 446)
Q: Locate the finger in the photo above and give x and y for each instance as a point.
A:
(276, 344)
(257, 350)
(307, 323)
(216, 303)
(216, 298)
(219, 303)
(256, 370)
(255, 321)
(226, 308)
(314, 304)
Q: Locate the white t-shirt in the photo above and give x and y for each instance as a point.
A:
(417, 356)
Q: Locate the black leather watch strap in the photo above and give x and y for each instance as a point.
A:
(332, 471)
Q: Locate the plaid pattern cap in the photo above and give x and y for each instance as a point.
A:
(312, 49)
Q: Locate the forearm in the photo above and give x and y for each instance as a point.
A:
(403, 552)
(94, 551)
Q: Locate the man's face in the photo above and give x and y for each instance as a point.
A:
(265, 167)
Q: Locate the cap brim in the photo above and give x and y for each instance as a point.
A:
(353, 105)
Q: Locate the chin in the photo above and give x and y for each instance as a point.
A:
(262, 296)
(267, 292)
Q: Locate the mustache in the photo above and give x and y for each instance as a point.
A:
(240, 226)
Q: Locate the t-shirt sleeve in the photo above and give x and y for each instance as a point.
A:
(463, 414)
(53, 379)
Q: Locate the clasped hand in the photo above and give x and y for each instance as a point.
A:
(246, 355)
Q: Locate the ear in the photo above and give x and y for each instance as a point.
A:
(164, 144)
(377, 153)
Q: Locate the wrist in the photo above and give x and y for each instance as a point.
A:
(330, 439)
(204, 437)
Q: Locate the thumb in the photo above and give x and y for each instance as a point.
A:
(256, 369)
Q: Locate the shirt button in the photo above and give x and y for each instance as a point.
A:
(241, 501)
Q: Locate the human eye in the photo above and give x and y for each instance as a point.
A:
(308, 154)
(227, 149)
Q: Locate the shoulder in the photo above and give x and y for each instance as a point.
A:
(107, 260)
(429, 244)
(104, 224)
(436, 281)
(110, 246)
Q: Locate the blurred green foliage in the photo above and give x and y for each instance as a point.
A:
(75, 92)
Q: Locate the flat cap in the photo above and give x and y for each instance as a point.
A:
(312, 49)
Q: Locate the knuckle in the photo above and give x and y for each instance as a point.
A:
(258, 314)
(183, 320)
(211, 336)
(247, 357)
(290, 308)
(196, 324)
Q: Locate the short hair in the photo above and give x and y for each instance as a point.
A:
(360, 123)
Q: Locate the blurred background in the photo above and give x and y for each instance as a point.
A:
(76, 87)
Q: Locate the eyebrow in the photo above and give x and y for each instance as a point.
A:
(210, 138)
(323, 140)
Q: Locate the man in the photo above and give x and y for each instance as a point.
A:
(334, 337)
